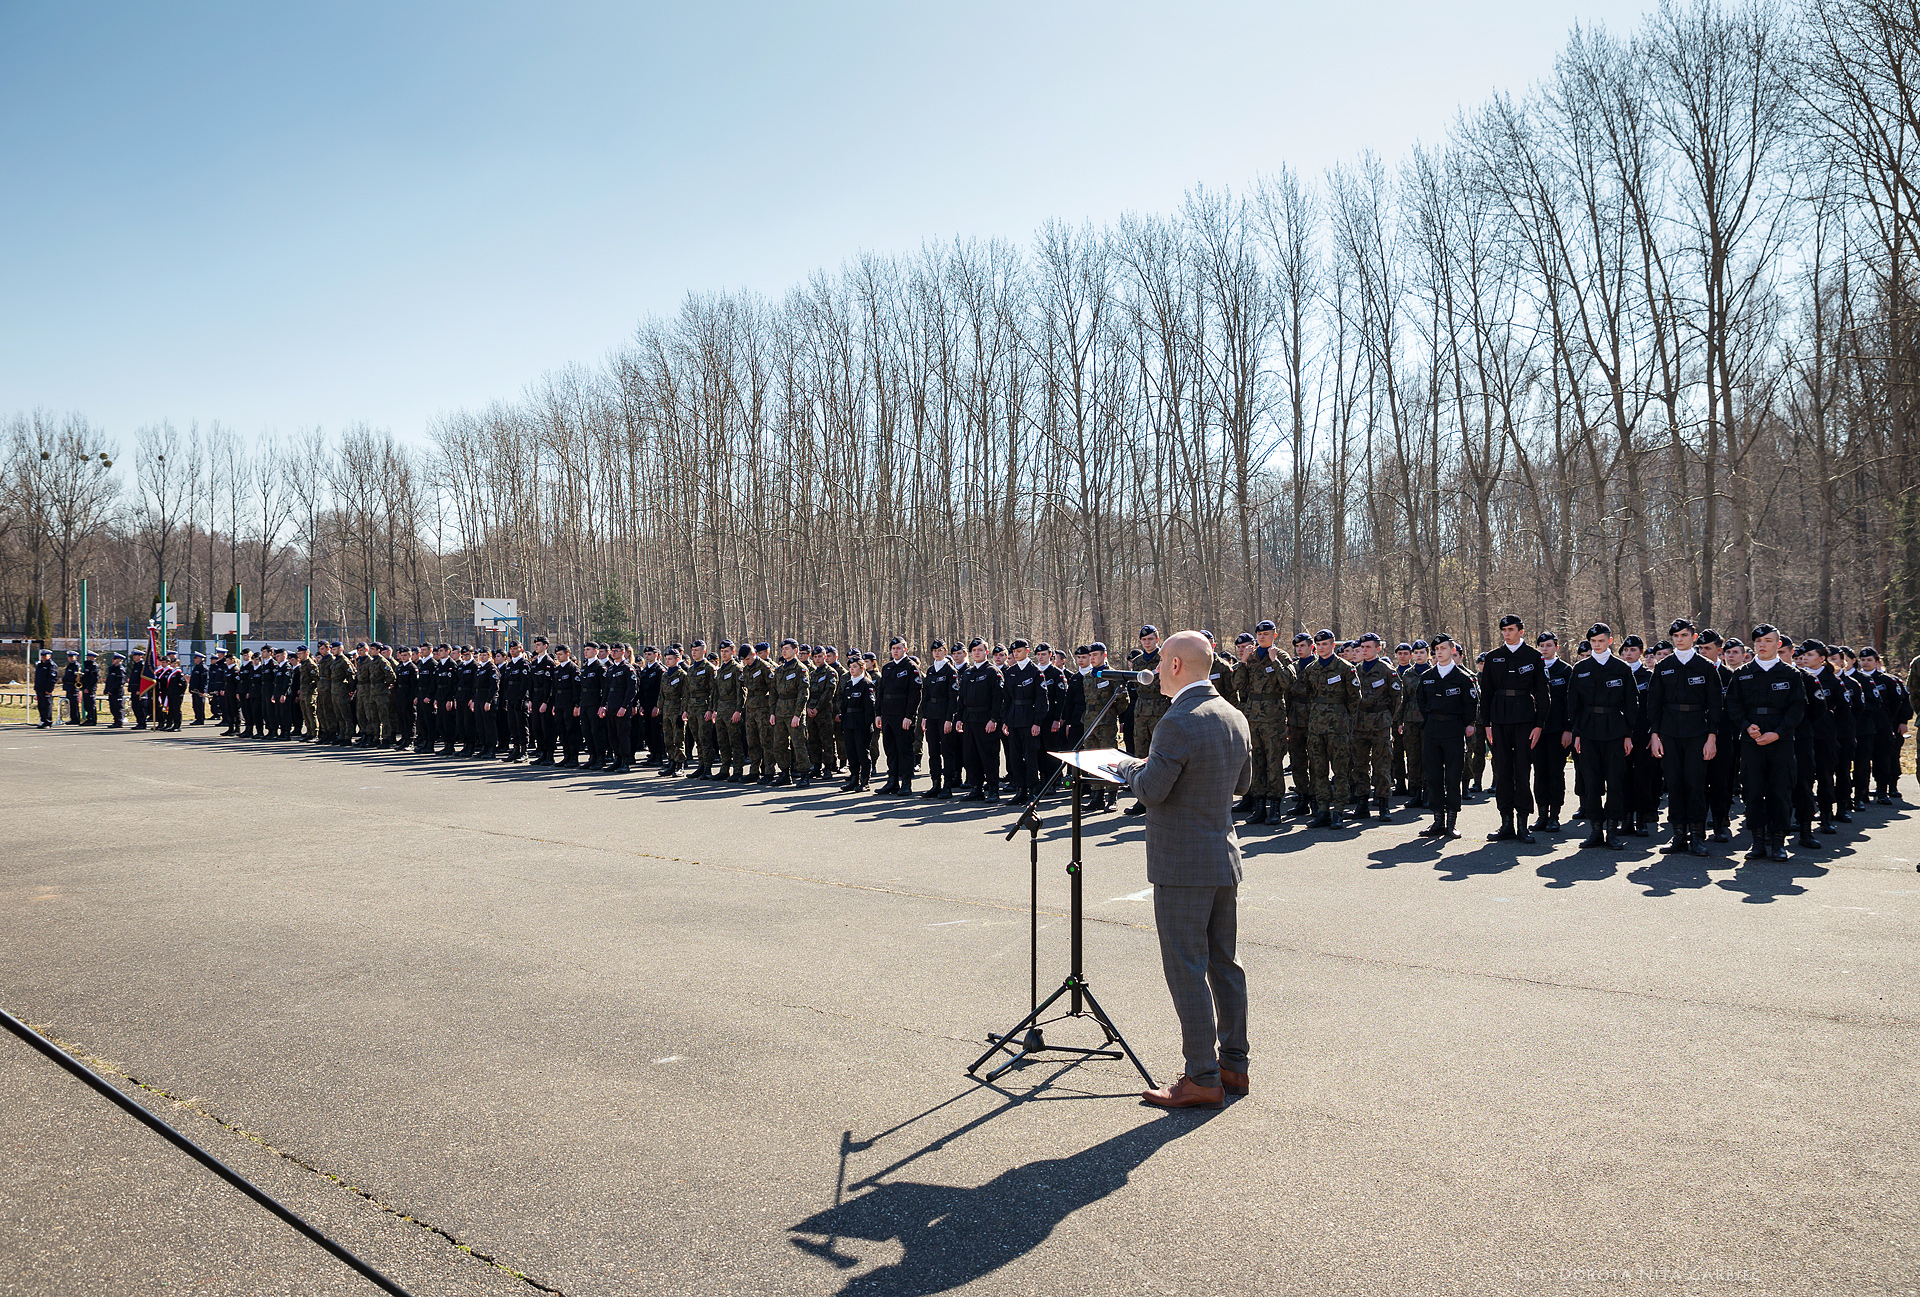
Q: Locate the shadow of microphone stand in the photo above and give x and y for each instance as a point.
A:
(1026, 1037)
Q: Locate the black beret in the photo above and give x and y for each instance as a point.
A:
(699, 643)
(1096, 647)
(1546, 637)
(1301, 637)
(1679, 624)
(1663, 644)
(1599, 628)
(1244, 637)
(1403, 647)
(1815, 646)
(1442, 638)
(1369, 638)
(939, 643)
(1322, 635)
(560, 648)
(1765, 628)
(868, 657)
(1420, 644)
(1018, 644)
(725, 643)
(1709, 636)
(976, 642)
(1511, 620)
(1633, 641)
(1265, 625)
(896, 640)
(1149, 629)
(1042, 647)
(789, 642)
(760, 646)
(539, 639)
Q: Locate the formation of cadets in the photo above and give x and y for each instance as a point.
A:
(1802, 734)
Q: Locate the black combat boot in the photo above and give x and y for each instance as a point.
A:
(1697, 839)
(1384, 808)
(1250, 803)
(1721, 832)
(1778, 851)
(1273, 816)
(1138, 808)
(1505, 832)
(1760, 847)
(1616, 837)
(1642, 826)
(1418, 802)
(783, 780)
(975, 794)
(1807, 841)
(1437, 829)
(1681, 844)
(1596, 836)
(1453, 818)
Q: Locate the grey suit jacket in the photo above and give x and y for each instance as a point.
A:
(1200, 761)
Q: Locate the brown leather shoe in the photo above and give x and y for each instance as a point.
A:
(1233, 1082)
(1183, 1093)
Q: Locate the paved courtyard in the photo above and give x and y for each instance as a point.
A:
(507, 1032)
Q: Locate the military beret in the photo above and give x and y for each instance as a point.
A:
(1633, 641)
(1042, 647)
(1301, 637)
(1815, 646)
(760, 647)
(333, 644)
(725, 643)
(868, 657)
(831, 649)
(1096, 647)
(1735, 643)
(1018, 644)
(1265, 625)
(442, 648)
(1709, 636)
(1546, 637)
(1765, 628)
(1322, 635)
(1511, 620)
(1663, 644)
(699, 643)
(976, 642)
(1420, 644)
(896, 640)
(361, 644)
(539, 639)
(1442, 638)
(1842, 650)
(1134, 655)
(1599, 628)
(1869, 651)
(645, 648)
(939, 643)
(1368, 638)
(999, 648)
(1244, 637)
(671, 650)
(1209, 635)
(561, 648)
(789, 642)
(1678, 624)
(1149, 629)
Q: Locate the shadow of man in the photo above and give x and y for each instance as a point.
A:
(951, 1235)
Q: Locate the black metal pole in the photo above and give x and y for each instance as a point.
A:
(198, 1154)
(1073, 872)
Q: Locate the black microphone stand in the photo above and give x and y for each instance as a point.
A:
(1026, 1038)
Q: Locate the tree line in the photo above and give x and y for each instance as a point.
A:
(1640, 341)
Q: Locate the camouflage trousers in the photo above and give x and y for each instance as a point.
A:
(1411, 739)
(757, 740)
(708, 740)
(1327, 765)
(310, 713)
(1267, 725)
(1144, 720)
(823, 742)
(674, 730)
(1371, 757)
(787, 745)
(736, 748)
(1297, 762)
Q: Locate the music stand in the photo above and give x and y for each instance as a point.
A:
(1026, 1038)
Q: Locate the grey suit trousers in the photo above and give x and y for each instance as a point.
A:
(1198, 929)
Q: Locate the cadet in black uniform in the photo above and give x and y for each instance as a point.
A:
(1551, 752)
(899, 686)
(939, 708)
(117, 690)
(618, 695)
(1448, 701)
(1026, 719)
(1643, 768)
(1603, 708)
(1515, 702)
(46, 678)
(1827, 709)
(859, 711)
(977, 721)
(512, 722)
(1767, 699)
(543, 725)
(1890, 708)
(566, 705)
(1686, 710)
(593, 693)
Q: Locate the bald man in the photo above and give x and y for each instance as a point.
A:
(1199, 763)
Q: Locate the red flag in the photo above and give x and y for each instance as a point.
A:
(153, 657)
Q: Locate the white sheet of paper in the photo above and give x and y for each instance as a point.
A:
(1107, 764)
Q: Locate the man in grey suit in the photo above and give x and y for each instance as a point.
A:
(1201, 761)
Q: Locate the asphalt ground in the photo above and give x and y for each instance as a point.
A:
(505, 1031)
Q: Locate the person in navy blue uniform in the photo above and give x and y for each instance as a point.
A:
(1643, 768)
(899, 686)
(1551, 752)
(46, 678)
(1603, 709)
(1767, 700)
(939, 708)
(978, 722)
(197, 686)
(859, 709)
(1686, 710)
(1515, 703)
(1447, 697)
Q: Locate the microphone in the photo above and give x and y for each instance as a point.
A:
(1132, 677)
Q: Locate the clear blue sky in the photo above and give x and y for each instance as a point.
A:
(279, 215)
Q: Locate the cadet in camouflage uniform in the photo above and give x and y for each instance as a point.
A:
(1149, 704)
(1297, 725)
(365, 677)
(307, 685)
(1097, 689)
(385, 676)
(787, 734)
(756, 683)
(1222, 672)
(823, 727)
(1411, 727)
(730, 711)
(1263, 682)
(1373, 720)
(1331, 694)
(702, 676)
(677, 709)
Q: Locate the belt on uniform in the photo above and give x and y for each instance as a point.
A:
(1764, 711)
(1603, 711)
(1683, 707)
(1516, 693)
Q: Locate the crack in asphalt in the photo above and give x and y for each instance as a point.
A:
(106, 1068)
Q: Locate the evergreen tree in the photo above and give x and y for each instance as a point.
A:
(609, 616)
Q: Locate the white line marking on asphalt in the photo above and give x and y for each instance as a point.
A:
(1143, 894)
(949, 923)
(672, 1059)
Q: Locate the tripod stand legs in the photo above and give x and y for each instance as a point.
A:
(1022, 1046)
